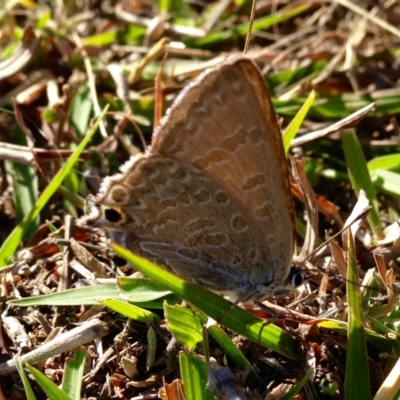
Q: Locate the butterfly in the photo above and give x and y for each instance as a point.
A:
(210, 198)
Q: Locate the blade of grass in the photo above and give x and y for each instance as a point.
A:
(387, 162)
(296, 390)
(184, 324)
(27, 386)
(381, 342)
(25, 192)
(129, 310)
(287, 78)
(357, 382)
(73, 373)
(386, 182)
(360, 178)
(194, 377)
(233, 352)
(107, 38)
(25, 184)
(340, 106)
(143, 289)
(216, 307)
(12, 242)
(72, 184)
(73, 197)
(293, 127)
(258, 24)
(50, 388)
(81, 108)
(89, 295)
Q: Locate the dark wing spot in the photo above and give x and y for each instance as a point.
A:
(112, 215)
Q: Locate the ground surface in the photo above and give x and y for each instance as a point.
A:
(62, 63)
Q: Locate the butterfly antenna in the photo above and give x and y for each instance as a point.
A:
(248, 36)
(158, 95)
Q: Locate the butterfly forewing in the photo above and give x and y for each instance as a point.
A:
(224, 123)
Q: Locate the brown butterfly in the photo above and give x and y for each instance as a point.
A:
(210, 199)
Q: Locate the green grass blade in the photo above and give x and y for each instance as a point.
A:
(386, 182)
(216, 307)
(89, 295)
(142, 289)
(233, 352)
(258, 24)
(293, 127)
(74, 198)
(25, 191)
(50, 388)
(14, 239)
(73, 373)
(272, 19)
(387, 162)
(360, 178)
(184, 324)
(194, 377)
(131, 311)
(357, 382)
(30, 395)
(381, 342)
(24, 182)
(339, 106)
(296, 390)
(80, 111)
(164, 6)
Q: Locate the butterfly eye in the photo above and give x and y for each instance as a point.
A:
(112, 215)
(296, 277)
